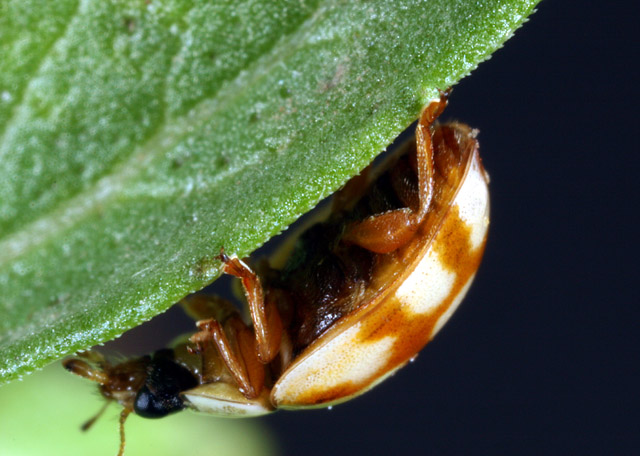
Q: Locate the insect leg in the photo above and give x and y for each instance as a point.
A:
(386, 232)
(383, 233)
(267, 324)
(424, 151)
(237, 349)
(123, 417)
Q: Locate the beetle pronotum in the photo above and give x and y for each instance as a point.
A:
(359, 296)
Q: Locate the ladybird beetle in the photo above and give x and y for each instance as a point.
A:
(356, 298)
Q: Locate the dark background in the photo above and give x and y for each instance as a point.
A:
(543, 355)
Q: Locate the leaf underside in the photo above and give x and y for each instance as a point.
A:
(137, 138)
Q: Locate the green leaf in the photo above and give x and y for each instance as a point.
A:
(137, 138)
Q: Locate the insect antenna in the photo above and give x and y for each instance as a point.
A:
(123, 417)
(87, 424)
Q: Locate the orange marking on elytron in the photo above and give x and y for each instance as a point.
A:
(410, 331)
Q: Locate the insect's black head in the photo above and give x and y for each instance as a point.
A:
(160, 394)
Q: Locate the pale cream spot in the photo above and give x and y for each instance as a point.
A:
(473, 203)
(452, 308)
(342, 360)
(427, 286)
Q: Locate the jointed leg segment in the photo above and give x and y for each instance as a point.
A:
(384, 233)
(244, 350)
(237, 350)
(264, 314)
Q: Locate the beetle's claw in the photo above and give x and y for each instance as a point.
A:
(445, 94)
(200, 338)
(223, 256)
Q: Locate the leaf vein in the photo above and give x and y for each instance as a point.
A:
(76, 208)
(4, 129)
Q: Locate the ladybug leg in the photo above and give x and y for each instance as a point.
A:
(384, 233)
(219, 324)
(267, 323)
(244, 350)
(424, 151)
(237, 348)
(123, 417)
